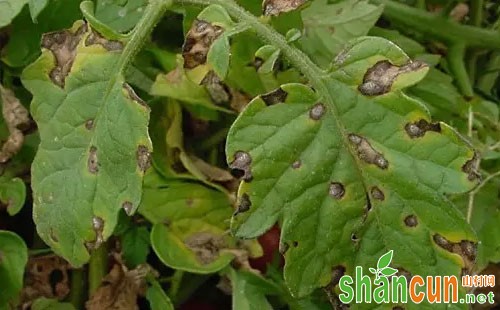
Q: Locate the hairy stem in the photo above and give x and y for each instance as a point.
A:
(152, 14)
(438, 27)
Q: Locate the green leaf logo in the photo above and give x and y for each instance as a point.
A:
(383, 268)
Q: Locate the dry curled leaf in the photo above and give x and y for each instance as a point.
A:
(16, 117)
(276, 7)
(198, 41)
(46, 276)
(119, 289)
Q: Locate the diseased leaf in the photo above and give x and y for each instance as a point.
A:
(327, 27)
(12, 194)
(25, 35)
(352, 171)
(277, 7)
(13, 259)
(190, 223)
(16, 117)
(94, 145)
(9, 9)
(157, 298)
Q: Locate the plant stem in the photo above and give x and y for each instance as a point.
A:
(77, 293)
(438, 27)
(98, 267)
(455, 57)
(152, 14)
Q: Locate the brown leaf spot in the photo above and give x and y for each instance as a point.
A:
(466, 249)
(336, 190)
(276, 7)
(96, 38)
(16, 118)
(129, 91)
(98, 227)
(63, 46)
(89, 124)
(128, 207)
(411, 221)
(143, 158)
(471, 168)
(218, 91)
(337, 273)
(418, 129)
(379, 78)
(206, 246)
(240, 166)
(296, 164)
(354, 238)
(119, 289)
(92, 163)
(367, 153)
(317, 111)
(377, 193)
(283, 247)
(244, 204)
(198, 41)
(274, 97)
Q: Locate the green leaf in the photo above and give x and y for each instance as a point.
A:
(94, 141)
(43, 303)
(121, 17)
(12, 262)
(36, 7)
(250, 290)
(9, 9)
(218, 56)
(327, 27)
(135, 246)
(269, 55)
(157, 298)
(12, 194)
(353, 170)
(190, 224)
(385, 260)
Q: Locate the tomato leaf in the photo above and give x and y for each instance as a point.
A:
(94, 145)
(353, 170)
(12, 263)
